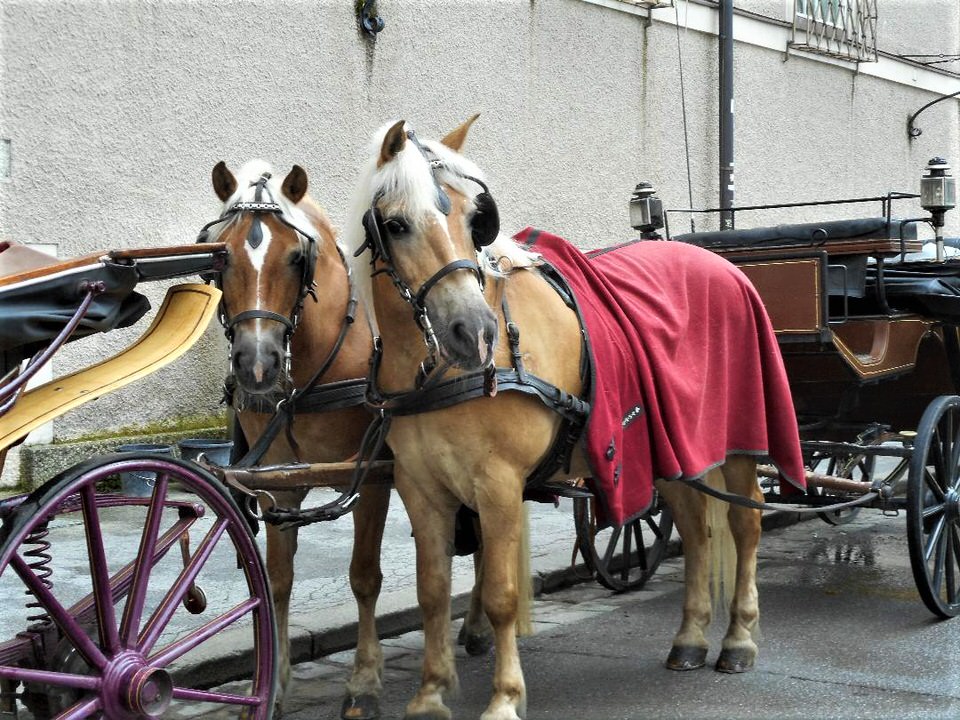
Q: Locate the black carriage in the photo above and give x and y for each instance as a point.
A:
(869, 338)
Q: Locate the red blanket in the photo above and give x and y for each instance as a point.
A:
(686, 367)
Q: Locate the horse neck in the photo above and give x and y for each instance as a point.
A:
(322, 322)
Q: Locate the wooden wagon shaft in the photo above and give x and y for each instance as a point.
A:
(825, 481)
(290, 477)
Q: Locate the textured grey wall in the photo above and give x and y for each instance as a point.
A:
(117, 110)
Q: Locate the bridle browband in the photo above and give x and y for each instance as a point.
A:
(308, 261)
(484, 232)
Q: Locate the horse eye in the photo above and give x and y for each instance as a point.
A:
(296, 257)
(396, 226)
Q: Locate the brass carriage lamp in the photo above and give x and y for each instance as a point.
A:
(938, 193)
(646, 210)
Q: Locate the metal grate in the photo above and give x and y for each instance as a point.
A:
(845, 29)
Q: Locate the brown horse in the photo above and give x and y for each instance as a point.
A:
(286, 297)
(424, 220)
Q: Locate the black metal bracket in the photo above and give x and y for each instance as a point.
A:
(912, 130)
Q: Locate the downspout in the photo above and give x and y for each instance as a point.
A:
(726, 114)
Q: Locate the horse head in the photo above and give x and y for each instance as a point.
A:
(427, 216)
(271, 232)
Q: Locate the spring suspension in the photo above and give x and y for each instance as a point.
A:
(38, 557)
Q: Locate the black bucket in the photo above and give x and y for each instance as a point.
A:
(214, 452)
(139, 483)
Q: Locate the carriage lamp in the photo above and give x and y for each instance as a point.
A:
(646, 209)
(938, 193)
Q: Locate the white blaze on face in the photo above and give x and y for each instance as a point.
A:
(257, 256)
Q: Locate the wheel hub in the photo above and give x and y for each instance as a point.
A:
(130, 685)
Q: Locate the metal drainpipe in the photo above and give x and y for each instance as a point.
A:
(726, 114)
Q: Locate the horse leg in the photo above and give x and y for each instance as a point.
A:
(432, 512)
(281, 547)
(739, 650)
(502, 523)
(476, 633)
(688, 506)
(363, 688)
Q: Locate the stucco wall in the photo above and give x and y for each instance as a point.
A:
(117, 111)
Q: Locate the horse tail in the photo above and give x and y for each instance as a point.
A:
(723, 552)
(524, 579)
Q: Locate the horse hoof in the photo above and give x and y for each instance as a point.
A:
(360, 707)
(686, 658)
(737, 660)
(477, 645)
(474, 644)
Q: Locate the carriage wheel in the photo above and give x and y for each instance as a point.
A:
(105, 579)
(933, 507)
(623, 558)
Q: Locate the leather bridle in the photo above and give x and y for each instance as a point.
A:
(307, 261)
(485, 224)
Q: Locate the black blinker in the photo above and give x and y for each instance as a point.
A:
(485, 223)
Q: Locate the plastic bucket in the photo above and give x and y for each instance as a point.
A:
(214, 452)
(139, 483)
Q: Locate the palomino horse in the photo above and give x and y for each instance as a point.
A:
(426, 223)
(288, 309)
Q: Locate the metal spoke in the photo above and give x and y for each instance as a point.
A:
(68, 626)
(49, 677)
(99, 571)
(641, 545)
(215, 697)
(931, 482)
(133, 611)
(939, 544)
(161, 616)
(951, 564)
(932, 510)
(933, 539)
(172, 652)
(652, 524)
(627, 544)
(612, 546)
(84, 709)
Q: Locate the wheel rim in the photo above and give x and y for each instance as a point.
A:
(130, 646)
(933, 507)
(624, 557)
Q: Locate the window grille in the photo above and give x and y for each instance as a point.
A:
(845, 29)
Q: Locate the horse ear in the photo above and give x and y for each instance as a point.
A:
(224, 183)
(393, 143)
(295, 184)
(458, 137)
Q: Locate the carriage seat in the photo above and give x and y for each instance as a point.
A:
(16, 258)
(859, 236)
(925, 287)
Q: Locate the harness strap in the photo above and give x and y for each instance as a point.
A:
(734, 499)
(286, 409)
(259, 315)
(439, 393)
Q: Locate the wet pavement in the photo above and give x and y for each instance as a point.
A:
(844, 634)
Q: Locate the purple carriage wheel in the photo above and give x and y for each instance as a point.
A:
(109, 626)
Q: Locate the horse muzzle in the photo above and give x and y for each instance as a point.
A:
(257, 360)
(469, 340)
